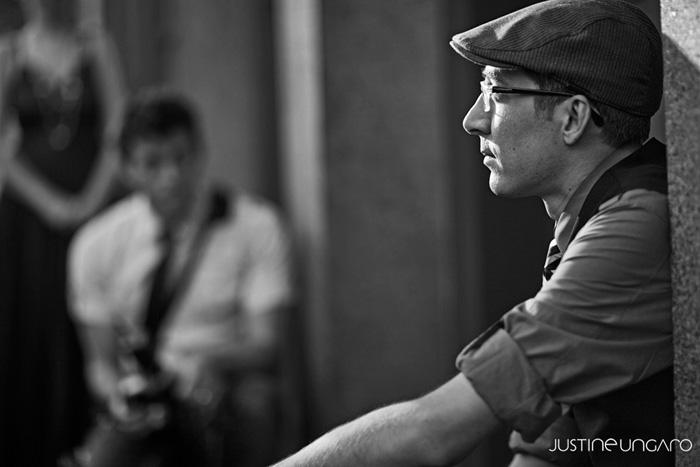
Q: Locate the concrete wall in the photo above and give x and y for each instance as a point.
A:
(383, 324)
(681, 31)
(220, 53)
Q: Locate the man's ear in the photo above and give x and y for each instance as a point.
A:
(576, 118)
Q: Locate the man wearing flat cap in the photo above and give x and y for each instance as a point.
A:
(582, 372)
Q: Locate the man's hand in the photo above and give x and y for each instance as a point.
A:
(141, 404)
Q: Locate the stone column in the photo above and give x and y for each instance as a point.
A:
(680, 20)
(366, 163)
(301, 141)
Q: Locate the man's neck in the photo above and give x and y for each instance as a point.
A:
(189, 215)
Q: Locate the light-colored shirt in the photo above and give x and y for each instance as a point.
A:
(601, 323)
(244, 268)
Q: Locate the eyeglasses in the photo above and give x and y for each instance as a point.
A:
(487, 90)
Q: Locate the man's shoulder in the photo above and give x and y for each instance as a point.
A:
(640, 176)
(113, 222)
(639, 180)
(251, 210)
(638, 198)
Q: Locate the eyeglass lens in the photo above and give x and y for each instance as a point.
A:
(486, 95)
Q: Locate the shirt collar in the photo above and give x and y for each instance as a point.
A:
(189, 226)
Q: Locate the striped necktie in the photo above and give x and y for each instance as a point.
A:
(553, 259)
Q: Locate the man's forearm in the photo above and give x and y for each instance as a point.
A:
(387, 437)
(438, 429)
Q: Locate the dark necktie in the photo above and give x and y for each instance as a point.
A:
(553, 259)
(158, 303)
(160, 297)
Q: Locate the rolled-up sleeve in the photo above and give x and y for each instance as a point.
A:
(268, 282)
(500, 373)
(601, 323)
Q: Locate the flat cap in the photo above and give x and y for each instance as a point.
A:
(609, 50)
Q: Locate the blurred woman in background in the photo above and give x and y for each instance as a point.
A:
(61, 92)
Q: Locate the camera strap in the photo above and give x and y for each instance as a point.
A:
(162, 296)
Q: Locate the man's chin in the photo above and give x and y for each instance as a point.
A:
(496, 188)
(168, 210)
(501, 191)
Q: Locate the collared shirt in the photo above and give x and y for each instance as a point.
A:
(244, 268)
(601, 323)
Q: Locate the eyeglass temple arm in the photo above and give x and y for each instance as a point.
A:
(595, 115)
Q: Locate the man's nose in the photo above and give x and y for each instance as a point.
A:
(169, 173)
(477, 121)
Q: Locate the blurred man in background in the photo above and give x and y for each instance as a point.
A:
(178, 291)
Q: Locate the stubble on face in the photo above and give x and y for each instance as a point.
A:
(519, 149)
